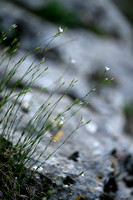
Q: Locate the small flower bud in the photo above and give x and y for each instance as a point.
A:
(72, 61)
(60, 30)
(106, 69)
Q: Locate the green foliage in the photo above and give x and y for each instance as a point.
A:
(128, 109)
(57, 13)
(14, 158)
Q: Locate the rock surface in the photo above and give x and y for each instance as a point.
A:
(96, 161)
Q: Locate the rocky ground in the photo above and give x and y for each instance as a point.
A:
(96, 162)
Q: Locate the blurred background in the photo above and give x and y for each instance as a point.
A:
(99, 34)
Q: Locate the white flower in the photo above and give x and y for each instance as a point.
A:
(107, 69)
(72, 61)
(65, 186)
(39, 169)
(14, 26)
(60, 122)
(82, 175)
(106, 79)
(34, 168)
(60, 30)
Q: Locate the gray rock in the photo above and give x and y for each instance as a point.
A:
(90, 148)
(126, 8)
(32, 4)
(102, 15)
(28, 25)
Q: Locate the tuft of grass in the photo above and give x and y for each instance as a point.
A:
(17, 176)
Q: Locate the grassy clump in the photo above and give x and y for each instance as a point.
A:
(18, 182)
(17, 178)
(14, 157)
